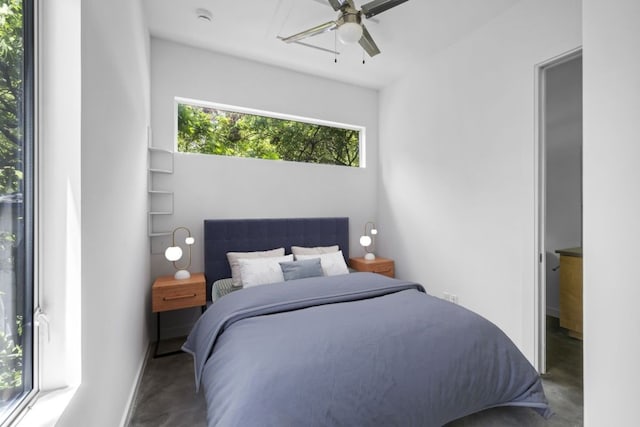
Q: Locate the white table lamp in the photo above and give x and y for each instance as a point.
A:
(174, 253)
(367, 240)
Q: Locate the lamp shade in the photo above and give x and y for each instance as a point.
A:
(365, 241)
(173, 253)
(189, 240)
(350, 32)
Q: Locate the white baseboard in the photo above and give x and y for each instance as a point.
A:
(128, 412)
(553, 312)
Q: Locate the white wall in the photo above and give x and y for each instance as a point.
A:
(563, 116)
(611, 211)
(457, 164)
(60, 195)
(115, 255)
(226, 187)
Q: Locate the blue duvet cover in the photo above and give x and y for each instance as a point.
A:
(353, 350)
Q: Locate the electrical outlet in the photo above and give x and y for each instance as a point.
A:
(450, 297)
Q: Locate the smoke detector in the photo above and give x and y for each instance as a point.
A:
(204, 15)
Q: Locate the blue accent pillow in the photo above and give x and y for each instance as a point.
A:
(301, 269)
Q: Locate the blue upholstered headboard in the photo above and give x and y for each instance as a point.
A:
(245, 235)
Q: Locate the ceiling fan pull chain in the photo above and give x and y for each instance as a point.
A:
(363, 60)
(335, 47)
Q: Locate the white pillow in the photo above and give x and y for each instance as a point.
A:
(301, 250)
(332, 264)
(234, 257)
(260, 271)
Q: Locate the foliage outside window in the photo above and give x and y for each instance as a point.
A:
(16, 238)
(210, 130)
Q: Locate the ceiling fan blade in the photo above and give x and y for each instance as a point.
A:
(324, 49)
(337, 4)
(324, 2)
(331, 25)
(378, 6)
(367, 43)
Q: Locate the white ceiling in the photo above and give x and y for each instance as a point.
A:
(249, 29)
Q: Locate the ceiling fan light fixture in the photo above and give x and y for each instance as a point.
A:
(350, 32)
(348, 26)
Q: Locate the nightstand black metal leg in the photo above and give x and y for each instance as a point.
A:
(155, 351)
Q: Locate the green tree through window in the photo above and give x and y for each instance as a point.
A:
(10, 94)
(208, 130)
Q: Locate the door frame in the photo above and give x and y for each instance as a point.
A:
(540, 298)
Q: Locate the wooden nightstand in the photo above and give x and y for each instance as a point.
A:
(168, 293)
(384, 266)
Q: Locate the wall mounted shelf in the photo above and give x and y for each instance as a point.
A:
(160, 203)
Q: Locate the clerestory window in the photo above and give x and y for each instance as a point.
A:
(231, 131)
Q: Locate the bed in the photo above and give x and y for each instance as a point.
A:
(355, 349)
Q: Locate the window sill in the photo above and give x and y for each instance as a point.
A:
(47, 408)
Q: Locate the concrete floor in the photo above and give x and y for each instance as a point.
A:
(166, 395)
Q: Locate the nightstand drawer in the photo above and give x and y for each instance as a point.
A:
(190, 294)
(386, 270)
(382, 266)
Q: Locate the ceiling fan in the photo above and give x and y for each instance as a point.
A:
(349, 24)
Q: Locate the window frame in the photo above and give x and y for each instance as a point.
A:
(57, 204)
(274, 115)
(30, 209)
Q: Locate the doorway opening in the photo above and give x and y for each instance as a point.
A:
(559, 213)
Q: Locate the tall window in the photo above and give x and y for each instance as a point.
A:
(16, 203)
(225, 132)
